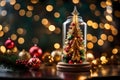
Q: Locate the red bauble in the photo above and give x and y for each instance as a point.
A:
(80, 61)
(70, 62)
(9, 44)
(73, 24)
(34, 63)
(35, 51)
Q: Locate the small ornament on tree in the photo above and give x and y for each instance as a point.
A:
(35, 51)
(74, 44)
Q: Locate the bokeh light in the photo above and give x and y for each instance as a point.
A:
(12, 2)
(103, 4)
(89, 37)
(117, 13)
(108, 3)
(32, 21)
(22, 12)
(89, 22)
(29, 14)
(90, 45)
(44, 21)
(36, 17)
(13, 36)
(3, 49)
(21, 40)
(100, 42)
(110, 38)
(109, 9)
(3, 12)
(2, 3)
(49, 8)
(57, 14)
(34, 1)
(107, 26)
(115, 51)
(109, 18)
(51, 27)
(56, 45)
(95, 25)
(6, 28)
(103, 36)
(17, 6)
(75, 1)
(20, 31)
(97, 13)
(1, 27)
(15, 49)
(30, 8)
(1, 33)
(35, 40)
(92, 6)
(94, 39)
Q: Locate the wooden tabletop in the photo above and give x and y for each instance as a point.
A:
(51, 73)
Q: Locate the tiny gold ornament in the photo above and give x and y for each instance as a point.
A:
(24, 55)
(9, 51)
(47, 58)
(56, 54)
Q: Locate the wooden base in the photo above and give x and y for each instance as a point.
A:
(61, 66)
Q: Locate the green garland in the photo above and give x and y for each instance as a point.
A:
(9, 61)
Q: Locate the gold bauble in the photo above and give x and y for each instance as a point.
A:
(15, 50)
(47, 58)
(9, 51)
(56, 54)
(24, 55)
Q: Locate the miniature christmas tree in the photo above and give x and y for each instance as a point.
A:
(74, 49)
(74, 45)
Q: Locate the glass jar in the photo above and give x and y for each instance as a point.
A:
(74, 38)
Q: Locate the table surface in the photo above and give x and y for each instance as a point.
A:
(50, 73)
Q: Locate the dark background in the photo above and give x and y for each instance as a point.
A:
(37, 33)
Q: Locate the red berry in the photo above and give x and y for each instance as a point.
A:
(80, 61)
(70, 62)
(73, 24)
